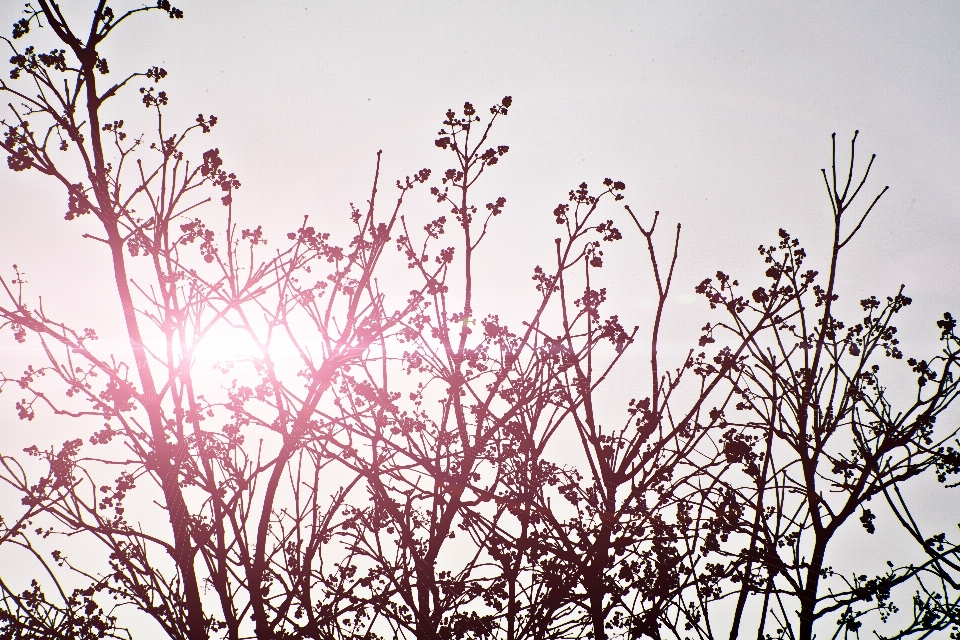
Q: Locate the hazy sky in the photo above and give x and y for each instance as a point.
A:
(719, 116)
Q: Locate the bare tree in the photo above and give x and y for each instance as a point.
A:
(820, 435)
(219, 498)
(378, 463)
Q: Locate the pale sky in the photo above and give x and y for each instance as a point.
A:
(719, 116)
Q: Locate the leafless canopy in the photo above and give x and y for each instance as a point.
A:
(380, 461)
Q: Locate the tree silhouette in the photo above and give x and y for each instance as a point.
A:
(824, 436)
(379, 462)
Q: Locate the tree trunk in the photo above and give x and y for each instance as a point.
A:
(808, 599)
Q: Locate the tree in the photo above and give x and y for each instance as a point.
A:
(831, 436)
(396, 480)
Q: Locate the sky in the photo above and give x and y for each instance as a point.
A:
(718, 115)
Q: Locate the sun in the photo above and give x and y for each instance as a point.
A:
(221, 349)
